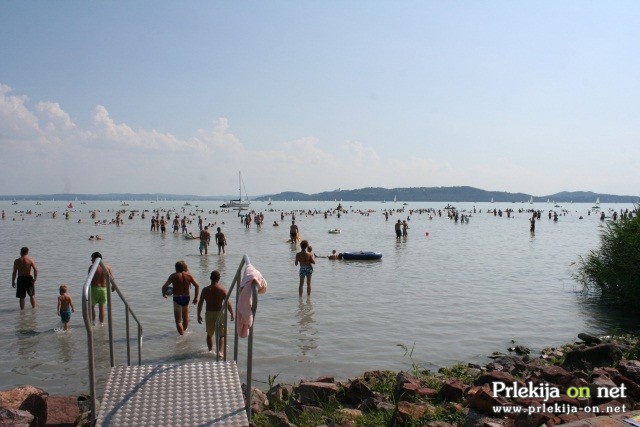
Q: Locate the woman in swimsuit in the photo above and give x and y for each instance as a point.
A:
(181, 281)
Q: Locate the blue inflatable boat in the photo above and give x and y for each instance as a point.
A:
(364, 255)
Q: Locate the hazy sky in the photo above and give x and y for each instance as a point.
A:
(177, 97)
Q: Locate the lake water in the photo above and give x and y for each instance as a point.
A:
(457, 294)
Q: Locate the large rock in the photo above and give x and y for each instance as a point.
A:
(482, 399)
(593, 357)
(26, 398)
(452, 390)
(15, 418)
(589, 339)
(408, 411)
(62, 411)
(317, 392)
(555, 375)
(357, 391)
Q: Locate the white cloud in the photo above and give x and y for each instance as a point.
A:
(17, 124)
(207, 163)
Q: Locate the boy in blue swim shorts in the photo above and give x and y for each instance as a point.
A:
(65, 306)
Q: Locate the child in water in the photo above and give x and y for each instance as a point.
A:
(214, 295)
(65, 306)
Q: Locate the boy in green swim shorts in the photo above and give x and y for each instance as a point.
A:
(214, 295)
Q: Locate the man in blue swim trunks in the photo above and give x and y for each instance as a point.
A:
(22, 268)
(181, 281)
(305, 259)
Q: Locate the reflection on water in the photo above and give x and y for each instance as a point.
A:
(66, 344)
(307, 331)
(26, 326)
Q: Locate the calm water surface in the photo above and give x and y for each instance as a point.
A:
(458, 294)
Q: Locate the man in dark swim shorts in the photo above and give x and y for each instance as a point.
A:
(181, 281)
(22, 269)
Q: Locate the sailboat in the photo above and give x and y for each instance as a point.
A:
(492, 200)
(597, 205)
(531, 200)
(269, 204)
(239, 203)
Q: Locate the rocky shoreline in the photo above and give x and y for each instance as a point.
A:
(579, 381)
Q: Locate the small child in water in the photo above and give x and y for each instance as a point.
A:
(65, 306)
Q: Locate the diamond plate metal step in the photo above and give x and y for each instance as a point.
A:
(193, 394)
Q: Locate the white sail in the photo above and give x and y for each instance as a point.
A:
(239, 203)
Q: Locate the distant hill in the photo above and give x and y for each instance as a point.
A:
(377, 194)
(447, 194)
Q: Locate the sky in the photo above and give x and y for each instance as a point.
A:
(310, 96)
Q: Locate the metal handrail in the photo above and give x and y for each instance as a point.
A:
(86, 314)
(222, 318)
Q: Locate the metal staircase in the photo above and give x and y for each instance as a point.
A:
(188, 394)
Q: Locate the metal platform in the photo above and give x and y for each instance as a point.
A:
(193, 394)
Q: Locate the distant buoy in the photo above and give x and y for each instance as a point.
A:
(426, 234)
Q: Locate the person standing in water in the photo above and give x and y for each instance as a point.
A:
(26, 282)
(214, 295)
(305, 259)
(181, 281)
(65, 306)
(99, 288)
(205, 238)
(293, 232)
(221, 241)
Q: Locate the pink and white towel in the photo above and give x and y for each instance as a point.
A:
(244, 316)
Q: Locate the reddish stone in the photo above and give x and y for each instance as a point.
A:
(26, 398)
(556, 375)
(411, 411)
(484, 401)
(453, 390)
(62, 411)
(410, 391)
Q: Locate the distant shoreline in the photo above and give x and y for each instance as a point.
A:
(463, 194)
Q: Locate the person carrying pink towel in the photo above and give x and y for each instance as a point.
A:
(244, 316)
